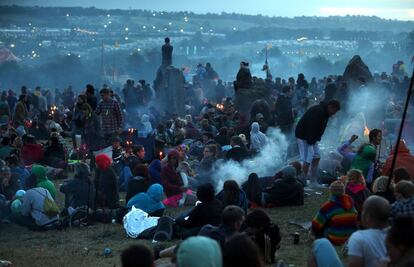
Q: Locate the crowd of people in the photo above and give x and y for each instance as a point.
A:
(124, 143)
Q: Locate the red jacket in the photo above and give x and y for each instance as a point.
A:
(404, 159)
(171, 180)
(32, 153)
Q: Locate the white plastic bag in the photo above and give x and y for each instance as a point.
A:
(137, 221)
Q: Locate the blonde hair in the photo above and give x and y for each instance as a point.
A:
(380, 185)
(355, 176)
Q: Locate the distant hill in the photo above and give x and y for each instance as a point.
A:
(56, 16)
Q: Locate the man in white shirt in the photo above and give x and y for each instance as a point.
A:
(366, 248)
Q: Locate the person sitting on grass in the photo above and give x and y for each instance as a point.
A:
(8, 184)
(404, 204)
(231, 221)
(79, 191)
(400, 174)
(337, 218)
(105, 182)
(232, 195)
(171, 180)
(31, 151)
(366, 248)
(207, 212)
(357, 189)
(42, 180)
(138, 255)
(323, 254)
(400, 242)
(241, 251)
(55, 155)
(264, 233)
(199, 251)
(150, 202)
(287, 191)
(380, 188)
(33, 213)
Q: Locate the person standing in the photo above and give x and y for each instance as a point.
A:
(309, 131)
(111, 115)
(20, 112)
(167, 51)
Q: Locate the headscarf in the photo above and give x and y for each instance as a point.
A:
(257, 139)
(199, 251)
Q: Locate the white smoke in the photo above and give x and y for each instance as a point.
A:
(266, 163)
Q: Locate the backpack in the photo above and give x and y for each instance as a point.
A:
(50, 208)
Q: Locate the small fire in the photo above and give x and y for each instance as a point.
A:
(366, 131)
(161, 154)
(53, 109)
(220, 106)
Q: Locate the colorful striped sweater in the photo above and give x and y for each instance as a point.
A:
(336, 220)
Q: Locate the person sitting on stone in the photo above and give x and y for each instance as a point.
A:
(337, 218)
(367, 247)
(404, 204)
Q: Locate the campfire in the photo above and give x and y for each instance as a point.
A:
(366, 131)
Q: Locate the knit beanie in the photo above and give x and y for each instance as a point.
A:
(337, 188)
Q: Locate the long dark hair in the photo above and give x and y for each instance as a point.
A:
(231, 193)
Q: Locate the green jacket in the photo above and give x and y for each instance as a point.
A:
(42, 180)
(364, 160)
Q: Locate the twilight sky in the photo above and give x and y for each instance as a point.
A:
(390, 9)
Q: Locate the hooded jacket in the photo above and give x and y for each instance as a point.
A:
(257, 139)
(42, 180)
(155, 171)
(365, 159)
(150, 201)
(404, 159)
(336, 219)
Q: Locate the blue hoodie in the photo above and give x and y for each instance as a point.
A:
(155, 171)
(150, 201)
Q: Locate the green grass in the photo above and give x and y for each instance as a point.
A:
(84, 246)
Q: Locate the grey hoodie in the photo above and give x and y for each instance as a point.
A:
(33, 202)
